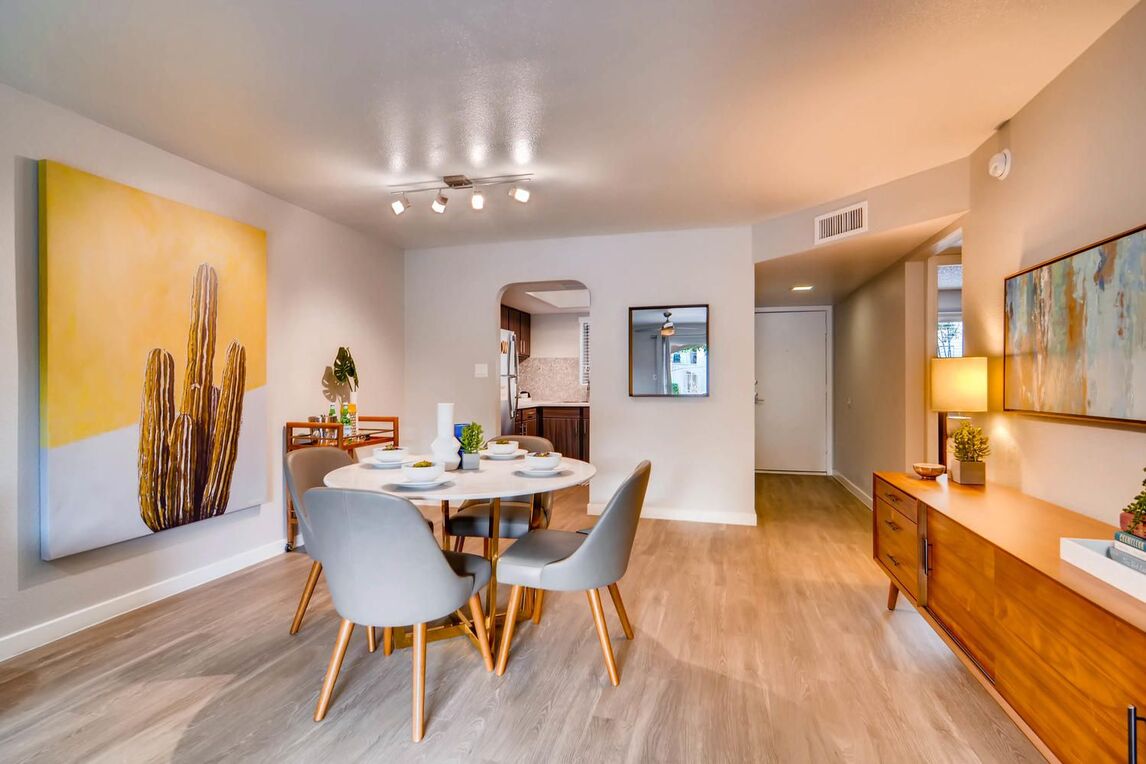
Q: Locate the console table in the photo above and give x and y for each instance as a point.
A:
(1063, 652)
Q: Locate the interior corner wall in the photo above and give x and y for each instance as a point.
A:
(1079, 176)
(327, 286)
(452, 323)
(878, 375)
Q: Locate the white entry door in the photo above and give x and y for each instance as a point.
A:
(792, 391)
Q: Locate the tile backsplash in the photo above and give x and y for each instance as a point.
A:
(551, 379)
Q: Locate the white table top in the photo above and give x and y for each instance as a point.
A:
(493, 479)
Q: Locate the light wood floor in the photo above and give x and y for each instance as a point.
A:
(753, 644)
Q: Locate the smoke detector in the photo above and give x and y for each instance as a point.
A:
(999, 165)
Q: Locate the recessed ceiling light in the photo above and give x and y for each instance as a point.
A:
(519, 194)
(400, 205)
(803, 288)
(478, 200)
(439, 204)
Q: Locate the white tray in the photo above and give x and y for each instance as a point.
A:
(1090, 555)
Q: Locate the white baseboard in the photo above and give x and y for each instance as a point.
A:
(853, 489)
(688, 515)
(32, 637)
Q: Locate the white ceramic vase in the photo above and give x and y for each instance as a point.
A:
(445, 447)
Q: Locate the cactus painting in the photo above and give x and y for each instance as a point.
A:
(153, 398)
(187, 456)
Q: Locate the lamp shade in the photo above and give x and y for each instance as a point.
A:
(959, 384)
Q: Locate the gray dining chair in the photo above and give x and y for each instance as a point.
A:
(565, 561)
(304, 469)
(519, 514)
(384, 568)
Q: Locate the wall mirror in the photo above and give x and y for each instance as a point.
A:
(668, 351)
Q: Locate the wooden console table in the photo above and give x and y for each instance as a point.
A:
(1061, 651)
(373, 431)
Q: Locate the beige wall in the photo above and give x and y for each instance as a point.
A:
(701, 449)
(878, 367)
(327, 285)
(1079, 176)
(555, 335)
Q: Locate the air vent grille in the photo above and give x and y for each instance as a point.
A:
(841, 223)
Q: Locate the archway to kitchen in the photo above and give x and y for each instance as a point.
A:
(544, 365)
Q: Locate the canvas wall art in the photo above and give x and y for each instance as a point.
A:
(153, 402)
(1076, 333)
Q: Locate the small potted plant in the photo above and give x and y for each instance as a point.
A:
(471, 443)
(1133, 518)
(971, 445)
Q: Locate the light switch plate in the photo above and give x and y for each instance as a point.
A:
(481, 370)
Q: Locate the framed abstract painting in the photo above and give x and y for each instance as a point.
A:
(1075, 343)
(153, 335)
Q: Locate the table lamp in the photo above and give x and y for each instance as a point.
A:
(957, 385)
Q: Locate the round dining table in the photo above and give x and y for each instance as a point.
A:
(492, 481)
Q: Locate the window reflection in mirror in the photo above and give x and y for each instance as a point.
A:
(668, 351)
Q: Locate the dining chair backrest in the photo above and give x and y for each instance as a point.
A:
(604, 556)
(381, 562)
(305, 468)
(533, 444)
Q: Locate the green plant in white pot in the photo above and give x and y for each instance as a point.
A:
(971, 446)
(471, 443)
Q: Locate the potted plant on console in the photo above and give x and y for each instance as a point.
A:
(471, 443)
(1133, 518)
(971, 445)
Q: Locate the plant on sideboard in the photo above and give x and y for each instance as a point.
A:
(471, 443)
(971, 446)
(1134, 516)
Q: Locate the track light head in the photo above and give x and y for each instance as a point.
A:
(519, 194)
(439, 203)
(400, 205)
(477, 201)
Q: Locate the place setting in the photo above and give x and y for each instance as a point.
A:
(542, 464)
(387, 457)
(419, 475)
(502, 450)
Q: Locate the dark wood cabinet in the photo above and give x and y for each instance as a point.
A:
(566, 427)
(520, 323)
(527, 422)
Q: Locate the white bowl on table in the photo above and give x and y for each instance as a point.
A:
(423, 474)
(390, 455)
(502, 448)
(544, 460)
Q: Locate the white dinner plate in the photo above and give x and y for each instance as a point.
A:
(554, 472)
(370, 460)
(503, 457)
(439, 480)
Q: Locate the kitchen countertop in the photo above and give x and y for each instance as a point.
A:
(532, 404)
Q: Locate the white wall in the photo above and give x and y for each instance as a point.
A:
(1079, 176)
(327, 285)
(701, 449)
(555, 335)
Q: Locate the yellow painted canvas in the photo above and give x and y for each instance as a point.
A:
(153, 398)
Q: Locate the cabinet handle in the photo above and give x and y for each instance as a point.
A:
(894, 561)
(891, 524)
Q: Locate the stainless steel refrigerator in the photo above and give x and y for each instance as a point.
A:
(507, 373)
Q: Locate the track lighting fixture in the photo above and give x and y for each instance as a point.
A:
(668, 328)
(517, 190)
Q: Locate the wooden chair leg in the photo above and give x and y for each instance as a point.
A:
(387, 640)
(510, 622)
(311, 582)
(419, 683)
(892, 596)
(485, 548)
(603, 635)
(371, 639)
(537, 602)
(344, 631)
(479, 629)
(459, 543)
(615, 591)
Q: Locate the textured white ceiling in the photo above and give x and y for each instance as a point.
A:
(634, 115)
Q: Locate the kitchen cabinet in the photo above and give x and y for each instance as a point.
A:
(566, 427)
(527, 422)
(520, 323)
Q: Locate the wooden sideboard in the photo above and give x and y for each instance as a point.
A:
(1063, 652)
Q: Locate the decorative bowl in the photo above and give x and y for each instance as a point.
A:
(502, 447)
(542, 460)
(928, 471)
(390, 454)
(416, 474)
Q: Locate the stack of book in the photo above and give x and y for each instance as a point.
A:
(1129, 550)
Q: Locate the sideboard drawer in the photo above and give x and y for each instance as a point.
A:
(897, 499)
(897, 545)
